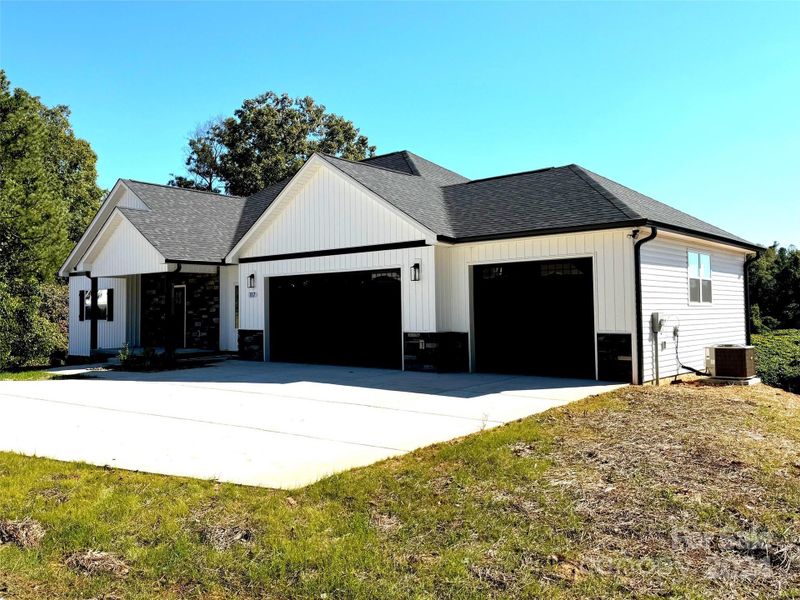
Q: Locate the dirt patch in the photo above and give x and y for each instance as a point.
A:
(95, 562)
(26, 533)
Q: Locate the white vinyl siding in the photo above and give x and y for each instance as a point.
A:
(418, 298)
(228, 334)
(112, 334)
(329, 211)
(79, 331)
(611, 251)
(665, 275)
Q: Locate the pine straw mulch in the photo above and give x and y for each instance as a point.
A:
(686, 483)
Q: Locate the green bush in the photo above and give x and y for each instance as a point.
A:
(32, 326)
(778, 358)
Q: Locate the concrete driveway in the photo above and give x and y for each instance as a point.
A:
(266, 424)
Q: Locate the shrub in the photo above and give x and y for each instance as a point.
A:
(778, 358)
(28, 336)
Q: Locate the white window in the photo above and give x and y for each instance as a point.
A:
(699, 277)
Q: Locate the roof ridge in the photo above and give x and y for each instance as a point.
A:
(506, 175)
(361, 162)
(173, 187)
(615, 201)
(410, 163)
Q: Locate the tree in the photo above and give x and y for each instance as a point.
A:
(775, 288)
(266, 140)
(203, 159)
(48, 192)
(48, 195)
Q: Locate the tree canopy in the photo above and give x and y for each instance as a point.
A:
(48, 190)
(266, 140)
(48, 195)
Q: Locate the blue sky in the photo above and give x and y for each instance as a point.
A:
(695, 104)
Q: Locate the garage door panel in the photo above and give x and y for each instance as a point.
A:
(351, 318)
(535, 318)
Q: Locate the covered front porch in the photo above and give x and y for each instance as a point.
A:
(178, 310)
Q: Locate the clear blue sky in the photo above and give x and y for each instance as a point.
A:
(695, 104)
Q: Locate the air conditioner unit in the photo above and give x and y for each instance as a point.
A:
(731, 361)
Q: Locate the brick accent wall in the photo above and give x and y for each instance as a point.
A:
(202, 309)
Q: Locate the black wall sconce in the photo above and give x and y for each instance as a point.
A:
(251, 280)
(415, 272)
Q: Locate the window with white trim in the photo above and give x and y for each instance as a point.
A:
(699, 277)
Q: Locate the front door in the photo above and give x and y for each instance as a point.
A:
(179, 315)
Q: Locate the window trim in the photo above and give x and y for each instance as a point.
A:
(701, 278)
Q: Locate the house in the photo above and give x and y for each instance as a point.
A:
(397, 262)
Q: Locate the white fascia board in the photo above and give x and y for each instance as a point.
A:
(93, 230)
(298, 181)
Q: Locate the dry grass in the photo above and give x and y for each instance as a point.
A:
(25, 533)
(95, 562)
(686, 481)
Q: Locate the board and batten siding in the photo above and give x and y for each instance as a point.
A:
(611, 251)
(112, 334)
(330, 211)
(122, 250)
(418, 298)
(665, 289)
(79, 331)
(228, 280)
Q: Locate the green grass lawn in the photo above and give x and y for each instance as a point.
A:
(25, 375)
(678, 491)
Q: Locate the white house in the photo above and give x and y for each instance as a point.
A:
(397, 262)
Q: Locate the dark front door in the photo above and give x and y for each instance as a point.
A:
(351, 318)
(535, 318)
(179, 315)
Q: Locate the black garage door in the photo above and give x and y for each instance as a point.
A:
(535, 318)
(348, 318)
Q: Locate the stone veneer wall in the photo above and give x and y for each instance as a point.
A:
(202, 309)
(251, 344)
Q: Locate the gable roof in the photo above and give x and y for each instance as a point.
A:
(196, 226)
(192, 225)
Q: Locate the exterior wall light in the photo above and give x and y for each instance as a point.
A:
(415, 272)
(251, 281)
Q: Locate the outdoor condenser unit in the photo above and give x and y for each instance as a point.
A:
(731, 361)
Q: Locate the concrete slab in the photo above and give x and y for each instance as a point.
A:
(266, 424)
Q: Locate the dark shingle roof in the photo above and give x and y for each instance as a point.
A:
(200, 226)
(192, 225)
(545, 200)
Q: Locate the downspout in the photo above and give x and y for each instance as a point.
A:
(637, 262)
(748, 321)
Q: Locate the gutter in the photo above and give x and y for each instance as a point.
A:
(746, 274)
(637, 262)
